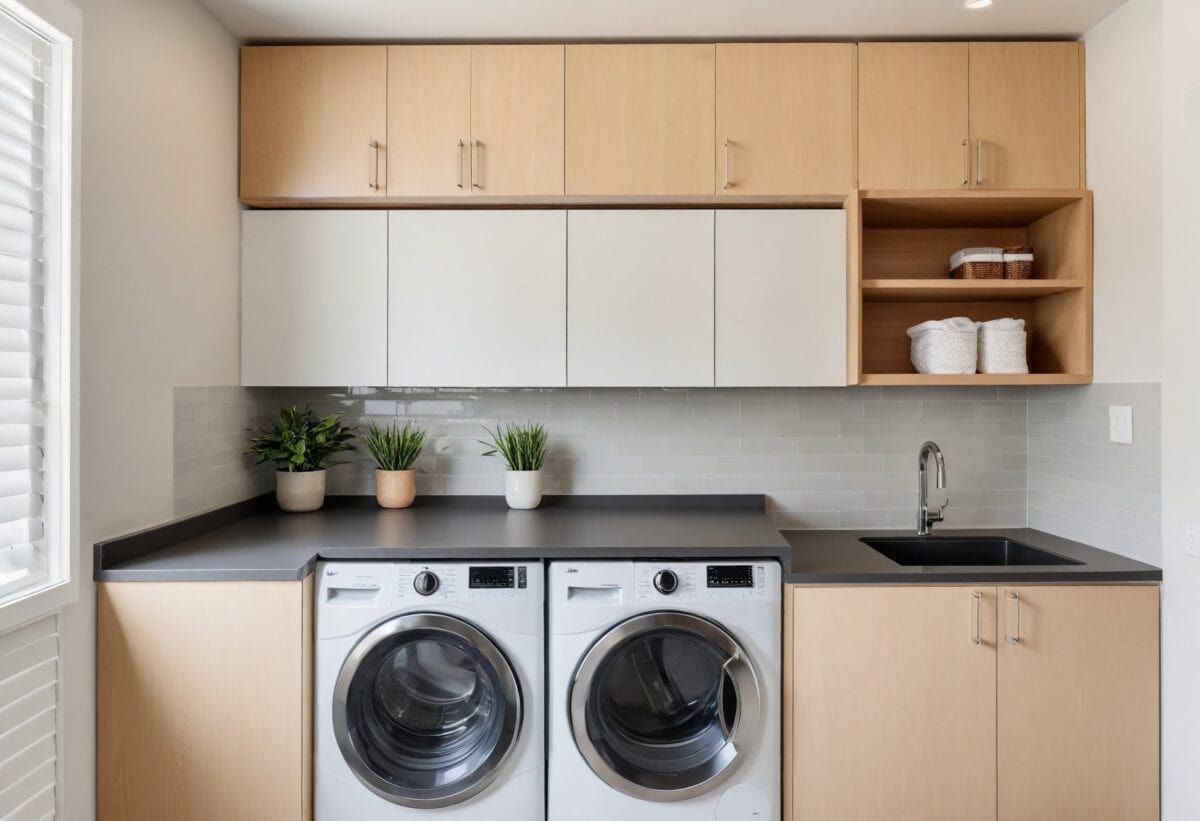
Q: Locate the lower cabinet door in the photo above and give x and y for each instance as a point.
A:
(892, 712)
(1078, 709)
(477, 299)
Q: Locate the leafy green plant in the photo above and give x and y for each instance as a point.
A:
(523, 447)
(299, 440)
(393, 447)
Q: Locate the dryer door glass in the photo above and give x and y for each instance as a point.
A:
(426, 710)
(661, 704)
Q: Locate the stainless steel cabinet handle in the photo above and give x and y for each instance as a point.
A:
(966, 177)
(979, 162)
(727, 182)
(976, 617)
(461, 146)
(374, 159)
(1015, 602)
(476, 151)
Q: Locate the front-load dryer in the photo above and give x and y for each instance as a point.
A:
(664, 691)
(428, 696)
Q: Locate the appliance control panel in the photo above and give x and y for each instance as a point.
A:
(460, 582)
(706, 581)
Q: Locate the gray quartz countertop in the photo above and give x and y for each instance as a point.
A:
(253, 540)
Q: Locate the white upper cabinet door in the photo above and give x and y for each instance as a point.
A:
(640, 299)
(781, 298)
(477, 299)
(314, 298)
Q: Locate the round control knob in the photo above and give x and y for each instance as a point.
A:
(426, 583)
(666, 582)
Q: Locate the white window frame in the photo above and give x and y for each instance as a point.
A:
(61, 23)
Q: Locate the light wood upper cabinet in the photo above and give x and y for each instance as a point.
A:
(1078, 704)
(892, 707)
(639, 119)
(310, 116)
(913, 128)
(1026, 115)
(517, 119)
(429, 120)
(204, 700)
(478, 298)
(784, 118)
(640, 298)
(780, 297)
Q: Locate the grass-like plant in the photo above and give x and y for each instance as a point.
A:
(299, 441)
(522, 447)
(394, 447)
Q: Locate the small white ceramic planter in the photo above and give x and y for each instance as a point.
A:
(301, 491)
(395, 488)
(523, 489)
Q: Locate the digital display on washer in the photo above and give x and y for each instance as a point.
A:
(735, 575)
(490, 578)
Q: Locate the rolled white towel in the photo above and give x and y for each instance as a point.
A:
(954, 323)
(1007, 324)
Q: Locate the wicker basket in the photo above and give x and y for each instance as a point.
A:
(1018, 262)
(978, 263)
(1002, 350)
(937, 348)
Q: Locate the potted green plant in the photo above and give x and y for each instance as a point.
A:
(523, 448)
(395, 449)
(300, 444)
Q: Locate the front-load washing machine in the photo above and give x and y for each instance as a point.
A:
(428, 696)
(664, 691)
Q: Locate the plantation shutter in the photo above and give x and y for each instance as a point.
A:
(24, 75)
(29, 720)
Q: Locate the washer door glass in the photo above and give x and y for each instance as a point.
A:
(426, 710)
(665, 700)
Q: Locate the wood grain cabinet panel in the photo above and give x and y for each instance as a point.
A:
(784, 118)
(517, 119)
(309, 117)
(913, 129)
(1026, 104)
(429, 120)
(892, 711)
(639, 119)
(1078, 711)
(204, 700)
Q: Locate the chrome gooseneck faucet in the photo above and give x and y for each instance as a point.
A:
(925, 516)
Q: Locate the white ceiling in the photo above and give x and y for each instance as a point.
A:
(269, 20)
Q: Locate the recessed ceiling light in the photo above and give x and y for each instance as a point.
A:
(976, 4)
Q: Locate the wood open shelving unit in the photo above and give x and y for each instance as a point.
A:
(900, 243)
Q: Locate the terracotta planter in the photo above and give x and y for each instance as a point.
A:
(395, 488)
(300, 492)
(523, 489)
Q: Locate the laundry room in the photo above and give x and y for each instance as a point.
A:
(448, 410)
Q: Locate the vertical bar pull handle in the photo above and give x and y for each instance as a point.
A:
(374, 158)
(979, 162)
(1014, 601)
(461, 147)
(476, 151)
(976, 617)
(727, 180)
(966, 175)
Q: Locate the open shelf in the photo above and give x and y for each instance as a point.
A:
(971, 208)
(975, 379)
(933, 290)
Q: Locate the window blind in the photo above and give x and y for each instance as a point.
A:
(24, 115)
(29, 720)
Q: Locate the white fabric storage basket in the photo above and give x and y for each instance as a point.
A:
(944, 346)
(1002, 350)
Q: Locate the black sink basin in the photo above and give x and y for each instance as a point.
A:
(959, 551)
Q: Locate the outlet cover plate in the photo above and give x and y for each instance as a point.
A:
(1120, 424)
(1191, 541)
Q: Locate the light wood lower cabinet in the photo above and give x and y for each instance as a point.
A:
(204, 700)
(911, 702)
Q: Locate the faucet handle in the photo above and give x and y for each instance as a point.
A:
(940, 515)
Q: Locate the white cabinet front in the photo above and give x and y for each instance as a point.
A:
(640, 298)
(314, 298)
(477, 299)
(781, 298)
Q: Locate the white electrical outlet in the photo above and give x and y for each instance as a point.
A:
(1120, 424)
(1191, 541)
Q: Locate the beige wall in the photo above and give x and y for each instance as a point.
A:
(159, 267)
(1124, 168)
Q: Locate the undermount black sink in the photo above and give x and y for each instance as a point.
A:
(960, 551)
